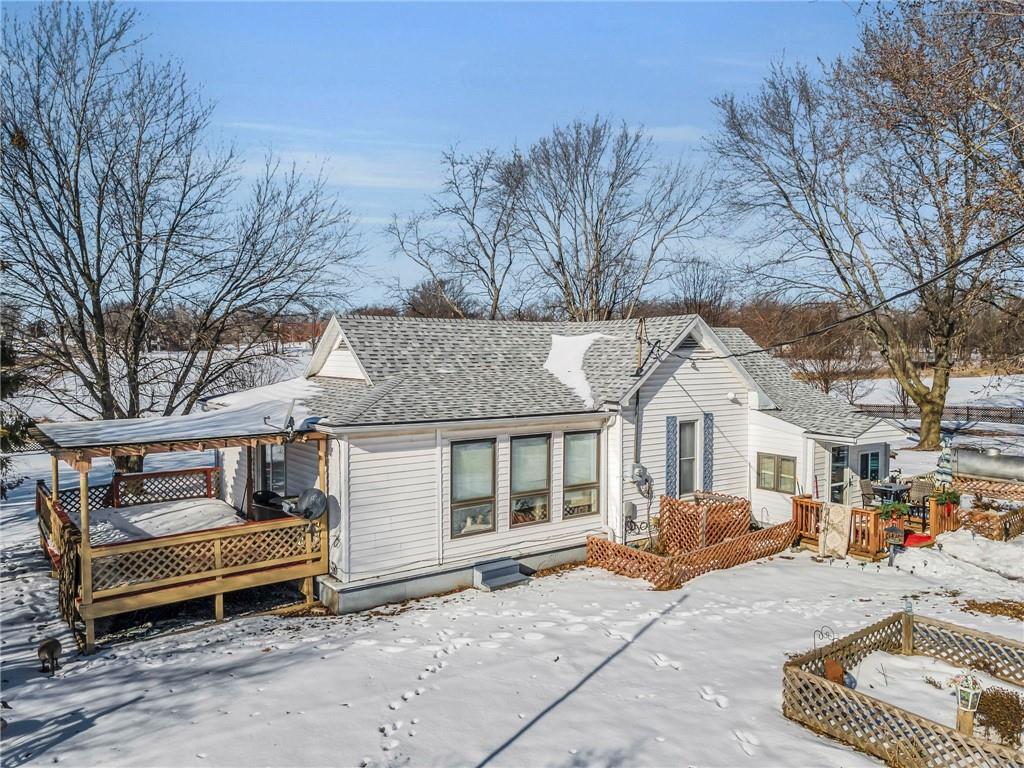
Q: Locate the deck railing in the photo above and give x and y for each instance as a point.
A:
(104, 580)
(867, 529)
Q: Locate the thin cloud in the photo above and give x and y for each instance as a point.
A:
(681, 134)
(392, 170)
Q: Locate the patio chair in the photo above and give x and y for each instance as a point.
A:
(867, 493)
(920, 490)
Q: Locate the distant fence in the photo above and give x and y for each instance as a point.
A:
(949, 413)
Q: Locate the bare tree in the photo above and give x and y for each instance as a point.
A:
(469, 236)
(885, 173)
(601, 219)
(119, 224)
(438, 298)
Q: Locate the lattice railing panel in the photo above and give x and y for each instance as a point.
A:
(885, 635)
(169, 486)
(99, 497)
(684, 526)
(970, 650)
(272, 544)
(880, 729)
(153, 564)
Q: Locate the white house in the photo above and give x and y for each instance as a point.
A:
(456, 442)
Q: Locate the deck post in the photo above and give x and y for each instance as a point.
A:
(322, 457)
(54, 478)
(218, 563)
(907, 644)
(83, 466)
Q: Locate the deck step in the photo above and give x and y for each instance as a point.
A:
(498, 574)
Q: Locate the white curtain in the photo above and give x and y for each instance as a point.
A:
(581, 458)
(529, 464)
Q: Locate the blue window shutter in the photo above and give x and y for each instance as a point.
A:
(671, 455)
(709, 451)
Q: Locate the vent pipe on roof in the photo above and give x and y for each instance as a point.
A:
(641, 337)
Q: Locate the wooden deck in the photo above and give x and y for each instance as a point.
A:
(867, 531)
(105, 580)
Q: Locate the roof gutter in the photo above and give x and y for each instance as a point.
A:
(467, 423)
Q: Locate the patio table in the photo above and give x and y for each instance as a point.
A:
(892, 491)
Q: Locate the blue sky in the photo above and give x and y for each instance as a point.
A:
(377, 91)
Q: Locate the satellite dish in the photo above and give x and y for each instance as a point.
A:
(311, 504)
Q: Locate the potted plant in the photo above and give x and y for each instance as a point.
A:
(948, 498)
(897, 510)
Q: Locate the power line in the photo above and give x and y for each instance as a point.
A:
(655, 345)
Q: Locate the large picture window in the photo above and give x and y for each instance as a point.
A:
(580, 479)
(530, 480)
(687, 457)
(472, 487)
(776, 473)
(273, 468)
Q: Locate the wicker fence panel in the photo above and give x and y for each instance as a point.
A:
(742, 549)
(146, 565)
(880, 729)
(684, 526)
(992, 489)
(995, 526)
(171, 486)
(673, 571)
(964, 648)
(850, 651)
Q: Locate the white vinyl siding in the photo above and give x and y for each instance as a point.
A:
(772, 436)
(342, 364)
(233, 476)
(392, 504)
(302, 463)
(677, 389)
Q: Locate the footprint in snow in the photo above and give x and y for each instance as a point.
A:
(392, 649)
(489, 644)
(390, 745)
(661, 660)
(533, 636)
(366, 641)
(576, 628)
(543, 624)
(748, 741)
(708, 694)
(500, 635)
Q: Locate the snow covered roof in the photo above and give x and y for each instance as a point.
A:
(797, 402)
(252, 413)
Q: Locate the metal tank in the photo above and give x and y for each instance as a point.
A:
(990, 464)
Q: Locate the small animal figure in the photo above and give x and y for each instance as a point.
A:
(49, 655)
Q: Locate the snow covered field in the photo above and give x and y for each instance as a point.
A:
(1005, 391)
(582, 668)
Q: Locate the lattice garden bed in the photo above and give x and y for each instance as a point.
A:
(708, 534)
(896, 735)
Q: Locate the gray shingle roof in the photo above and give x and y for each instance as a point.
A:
(798, 403)
(438, 370)
(425, 370)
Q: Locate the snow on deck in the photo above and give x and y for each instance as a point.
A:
(111, 525)
(259, 411)
(584, 668)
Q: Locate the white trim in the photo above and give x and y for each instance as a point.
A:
(439, 470)
(698, 454)
(521, 422)
(345, 483)
(324, 346)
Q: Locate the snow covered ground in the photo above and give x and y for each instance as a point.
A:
(582, 668)
(1006, 390)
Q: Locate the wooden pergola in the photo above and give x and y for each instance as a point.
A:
(97, 581)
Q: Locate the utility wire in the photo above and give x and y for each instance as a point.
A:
(656, 344)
